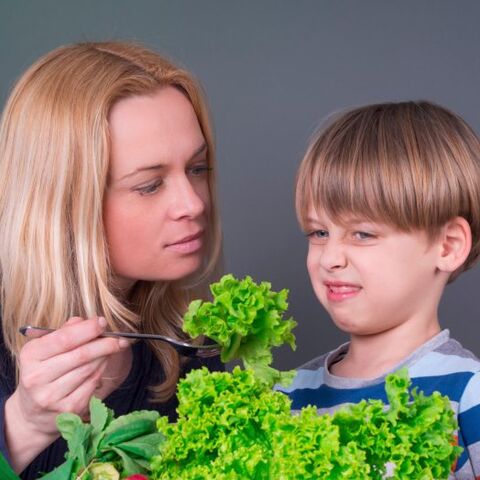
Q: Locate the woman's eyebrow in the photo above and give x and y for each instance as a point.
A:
(199, 150)
(159, 166)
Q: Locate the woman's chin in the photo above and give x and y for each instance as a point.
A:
(174, 271)
(182, 271)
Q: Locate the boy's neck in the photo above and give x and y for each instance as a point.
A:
(371, 356)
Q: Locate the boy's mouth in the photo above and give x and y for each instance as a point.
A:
(339, 291)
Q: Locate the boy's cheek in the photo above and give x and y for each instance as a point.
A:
(312, 262)
(315, 280)
(313, 271)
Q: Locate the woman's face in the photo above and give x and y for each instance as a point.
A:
(157, 201)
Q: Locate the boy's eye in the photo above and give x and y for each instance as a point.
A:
(150, 188)
(363, 235)
(317, 236)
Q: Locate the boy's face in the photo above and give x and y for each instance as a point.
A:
(371, 277)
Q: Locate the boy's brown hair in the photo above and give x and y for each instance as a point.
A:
(410, 165)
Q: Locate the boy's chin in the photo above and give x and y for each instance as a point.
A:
(352, 327)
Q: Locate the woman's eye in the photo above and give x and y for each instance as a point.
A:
(150, 188)
(199, 170)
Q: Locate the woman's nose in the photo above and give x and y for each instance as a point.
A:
(187, 200)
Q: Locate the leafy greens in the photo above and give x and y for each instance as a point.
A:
(246, 319)
(107, 448)
(233, 426)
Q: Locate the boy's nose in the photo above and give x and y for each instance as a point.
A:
(333, 256)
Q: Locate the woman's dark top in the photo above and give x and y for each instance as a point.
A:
(133, 394)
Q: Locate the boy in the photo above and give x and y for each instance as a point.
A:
(389, 197)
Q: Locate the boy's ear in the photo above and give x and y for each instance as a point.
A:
(455, 241)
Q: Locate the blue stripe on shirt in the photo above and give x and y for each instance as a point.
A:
(325, 396)
(469, 422)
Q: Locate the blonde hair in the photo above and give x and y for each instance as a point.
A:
(54, 159)
(411, 165)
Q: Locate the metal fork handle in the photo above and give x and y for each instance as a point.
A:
(184, 348)
(154, 336)
(187, 349)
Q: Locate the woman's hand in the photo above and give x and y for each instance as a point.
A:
(59, 372)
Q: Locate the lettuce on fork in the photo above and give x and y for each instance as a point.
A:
(246, 320)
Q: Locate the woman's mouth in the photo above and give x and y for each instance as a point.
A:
(190, 244)
(339, 291)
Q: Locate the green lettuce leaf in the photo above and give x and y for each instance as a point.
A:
(6, 471)
(246, 320)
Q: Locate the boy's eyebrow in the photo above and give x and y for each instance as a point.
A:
(159, 166)
(312, 220)
(347, 223)
(358, 221)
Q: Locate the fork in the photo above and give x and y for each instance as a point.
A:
(183, 348)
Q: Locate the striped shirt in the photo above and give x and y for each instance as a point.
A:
(441, 364)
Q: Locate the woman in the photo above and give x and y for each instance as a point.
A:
(108, 218)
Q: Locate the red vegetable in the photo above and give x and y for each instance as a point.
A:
(137, 476)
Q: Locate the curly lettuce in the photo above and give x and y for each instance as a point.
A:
(233, 426)
(246, 320)
(415, 435)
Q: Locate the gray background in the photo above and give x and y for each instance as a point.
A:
(272, 70)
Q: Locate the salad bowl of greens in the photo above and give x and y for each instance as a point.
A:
(235, 426)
